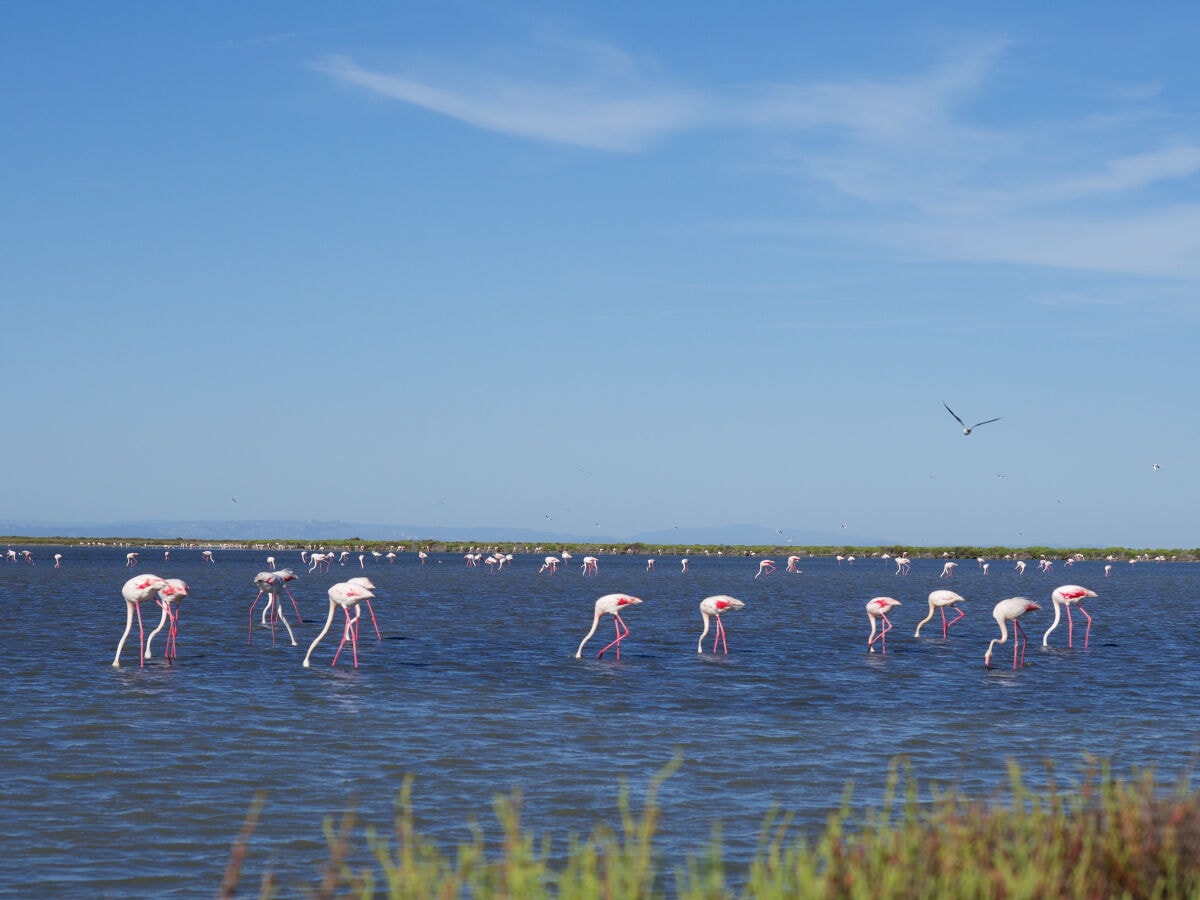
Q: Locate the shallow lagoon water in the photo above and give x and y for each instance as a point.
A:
(134, 782)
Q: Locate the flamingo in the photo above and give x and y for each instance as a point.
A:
(968, 429)
(136, 591)
(273, 584)
(791, 566)
(1009, 611)
(421, 555)
(364, 582)
(550, 564)
(168, 596)
(649, 565)
(878, 608)
(1069, 595)
(716, 606)
(610, 605)
(271, 563)
(765, 568)
(345, 595)
(940, 600)
(206, 556)
(902, 565)
(684, 562)
(57, 560)
(591, 565)
(130, 559)
(948, 570)
(391, 558)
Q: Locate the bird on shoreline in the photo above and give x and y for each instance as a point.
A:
(715, 607)
(610, 605)
(967, 429)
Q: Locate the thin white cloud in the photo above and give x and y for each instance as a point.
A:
(598, 115)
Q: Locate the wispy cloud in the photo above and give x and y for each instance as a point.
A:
(928, 163)
(584, 112)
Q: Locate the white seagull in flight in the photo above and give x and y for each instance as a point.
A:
(966, 429)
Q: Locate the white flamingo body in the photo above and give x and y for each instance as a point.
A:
(1069, 595)
(714, 608)
(347, 596)
(939, 600)
(765, 568)
(136, 591)
(1006, 611)
(610, 605)
(878, 608)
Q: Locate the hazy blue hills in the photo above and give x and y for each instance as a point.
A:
(315, 530)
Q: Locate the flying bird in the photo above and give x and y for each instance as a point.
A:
(967, 429)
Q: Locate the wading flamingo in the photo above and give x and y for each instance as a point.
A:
(715, 607)
(273, 584)
(610, 605)
(364, 582)
(345, 595)
(939, 600)
(591, 565)
(1009, 611)
(878, 608)
(168, 597)
(948, 570)
(1069, 595)
(791, 566)
(136, 591)
(765, 568)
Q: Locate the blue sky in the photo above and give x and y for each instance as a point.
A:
(625, 266)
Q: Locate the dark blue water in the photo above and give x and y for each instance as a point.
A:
(134, 782)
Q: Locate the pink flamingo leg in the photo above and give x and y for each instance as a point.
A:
(952, 621)
(371, 610)
(721, 636)
(1019, 641)
(1070, 625)
(617, 621)
(887, 626)
(141, 638)
(250, 639)
(1088, 633)
(299, 618)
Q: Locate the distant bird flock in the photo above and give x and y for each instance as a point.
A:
(168, 593)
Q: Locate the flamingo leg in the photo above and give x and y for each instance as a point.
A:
(1019, 642)
(371, 609)
(252, 605)
(952, 621)
(721, 635)
(161, 622)
(299, 618)
(619, 624)
(1088, 633)
(1070, 627)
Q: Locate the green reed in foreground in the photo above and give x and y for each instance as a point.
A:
(1107, 837)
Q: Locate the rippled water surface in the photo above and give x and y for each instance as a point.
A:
(134, 782)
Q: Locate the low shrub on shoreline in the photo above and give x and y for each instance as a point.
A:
(1107, 837)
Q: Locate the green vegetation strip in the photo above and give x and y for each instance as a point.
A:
(1106, 837)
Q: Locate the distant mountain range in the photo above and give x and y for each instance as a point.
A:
(736, 535)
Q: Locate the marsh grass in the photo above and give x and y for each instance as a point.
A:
(1104, 837)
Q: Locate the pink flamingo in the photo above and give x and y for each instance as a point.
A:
(58, 560)
(878, 608)
(1069, 595)
(902, 565)
(168, 597)
(791, 566)
(948, 570)
(765, 568)
(591, 565)
(610, 605)
(684, 563)
(136, 591)
(345, 595)
(130, 559)
(716, 606)
(551, 565)
(207, 556)
(939, 600)
(1009, 611)
(364, 582)
(649, 565)
(273, 584)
